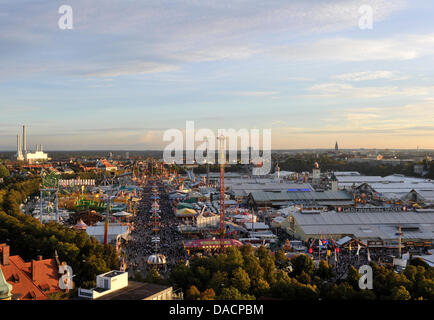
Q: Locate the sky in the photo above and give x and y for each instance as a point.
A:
(130, 70)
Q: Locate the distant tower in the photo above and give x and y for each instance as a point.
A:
(24, 141)
(19, 154)
(336, 147)
(316, 174)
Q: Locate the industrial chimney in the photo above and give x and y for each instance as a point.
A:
(18, 144)
(19, 150)
(24, 140)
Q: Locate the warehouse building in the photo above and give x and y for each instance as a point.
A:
(366, 226)
(269, 199)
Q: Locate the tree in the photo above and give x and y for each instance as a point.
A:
(232, 293)
(4, 172)
(260, 288)
(325, 271)
(181, 276)
(208, 294)
(253, 268)
(203, 275)
(153, 276)
(304, 278)
(192, 293)
(424, 288)
(284, 287)
(267, 263)
(282, 260)
(343, 291)
(353, 277)
(400, 293)
(241, 280)
(219, 280)
(234, 259)
(305, 291)
(302, 262)
(419, 261)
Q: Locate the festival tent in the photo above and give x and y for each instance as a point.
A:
(176, 196)
(185, 212)
(195, 194)
(191, 200)
(183, 205)
(122, 214)
(80, 225)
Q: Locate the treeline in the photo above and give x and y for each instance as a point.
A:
(246, 274)
(30, 238)
(326, 163)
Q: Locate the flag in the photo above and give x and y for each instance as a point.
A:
(358, 249)
(369, 256)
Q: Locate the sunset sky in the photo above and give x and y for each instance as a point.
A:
(129, 70)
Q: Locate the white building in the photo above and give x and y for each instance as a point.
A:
(24, 155)
(105, 284)
(116, 231)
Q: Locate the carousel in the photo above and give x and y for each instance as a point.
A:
(156, 260)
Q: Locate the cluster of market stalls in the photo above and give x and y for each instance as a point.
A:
(92, 201)
(210, 245)
(197, 208)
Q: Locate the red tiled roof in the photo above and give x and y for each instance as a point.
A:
(107, 164)
(19, 274)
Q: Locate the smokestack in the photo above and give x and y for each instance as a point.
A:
(40, 148)
(18, 144)
(24, 140)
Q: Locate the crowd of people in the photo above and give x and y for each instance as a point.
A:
(141, 245)
(357, 258)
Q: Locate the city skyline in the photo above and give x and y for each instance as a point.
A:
(129, 71)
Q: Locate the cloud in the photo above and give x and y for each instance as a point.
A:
(343, 90)
(133, 68)
(115, 38)
(256, 93)
(397, 48)
(368, 75)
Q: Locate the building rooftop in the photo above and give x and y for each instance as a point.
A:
(362, 225)
(265, 196)
(135, 291)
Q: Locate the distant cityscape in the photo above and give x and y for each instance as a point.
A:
(226, 158)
